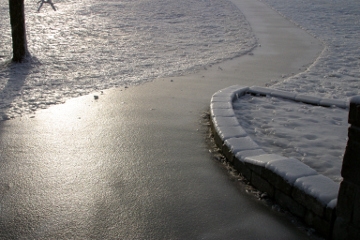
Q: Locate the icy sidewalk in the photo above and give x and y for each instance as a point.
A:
(294, 185)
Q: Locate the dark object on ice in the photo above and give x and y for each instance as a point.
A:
(347, 223)
(46, 1)
(96, 97)
(18, 33)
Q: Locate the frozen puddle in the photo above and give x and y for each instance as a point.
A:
(315, 135)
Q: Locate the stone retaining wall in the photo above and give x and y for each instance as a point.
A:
(292, 184)
(347, 224)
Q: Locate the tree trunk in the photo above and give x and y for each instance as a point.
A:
(18, 32)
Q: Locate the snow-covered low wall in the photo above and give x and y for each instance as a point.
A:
(292, 184)
(347, 224)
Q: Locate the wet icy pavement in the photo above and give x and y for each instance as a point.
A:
(135, 170)
(133, 163)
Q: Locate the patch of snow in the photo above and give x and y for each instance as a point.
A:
(221, 98)
(230, 93)
(283, 94)
(260, 90)
(241, 155)
(336, 73)
(226, 121)
(314, 135)
(241, 144)
(238, 90)
(308, 99)
(231, 132)
(221, 105)
(322, 188)
(332, 204)
(262, 160)
(222, 112)
(334, 103)
(290, 169)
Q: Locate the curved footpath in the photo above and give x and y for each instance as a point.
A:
(294, 185)
(134, 164)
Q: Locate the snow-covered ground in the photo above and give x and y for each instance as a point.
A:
(312, 134)
(336, 73)
(90, 45)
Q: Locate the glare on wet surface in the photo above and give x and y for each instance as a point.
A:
(132, 171)
(71, 174)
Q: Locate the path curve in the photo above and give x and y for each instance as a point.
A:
(134, 164)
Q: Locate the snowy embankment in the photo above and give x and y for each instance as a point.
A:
(89, 45)
(312, 134)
